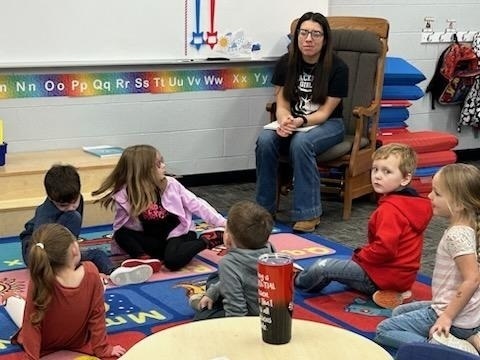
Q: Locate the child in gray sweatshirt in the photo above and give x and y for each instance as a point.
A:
(233, 291)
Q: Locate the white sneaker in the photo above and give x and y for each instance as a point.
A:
(453, 342)
(131, 275)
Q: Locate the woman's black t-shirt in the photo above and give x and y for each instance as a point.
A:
(302, 104)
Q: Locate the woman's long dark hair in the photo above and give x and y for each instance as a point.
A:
(321, 70)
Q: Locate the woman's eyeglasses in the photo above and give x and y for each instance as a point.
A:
(316, 34)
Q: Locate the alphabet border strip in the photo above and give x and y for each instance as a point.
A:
(118, 83)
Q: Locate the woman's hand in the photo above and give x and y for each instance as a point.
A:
(287, 126)
(118, 351)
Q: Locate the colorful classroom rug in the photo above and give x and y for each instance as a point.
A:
(136, 311)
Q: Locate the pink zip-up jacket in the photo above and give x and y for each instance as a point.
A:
(177, 200)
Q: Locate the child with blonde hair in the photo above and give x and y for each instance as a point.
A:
(64, 308)
(386, 266)
(154, 212)
(454, 311)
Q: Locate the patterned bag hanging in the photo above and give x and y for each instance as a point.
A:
(454, 74)
(470, 114)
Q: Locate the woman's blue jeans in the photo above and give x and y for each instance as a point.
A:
(411, 323)
(302, 148)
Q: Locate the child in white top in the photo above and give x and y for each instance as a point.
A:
(455, 307)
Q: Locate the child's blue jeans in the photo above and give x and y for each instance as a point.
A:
(411, 323)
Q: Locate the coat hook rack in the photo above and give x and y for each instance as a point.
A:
(436, 37)
(446, 36)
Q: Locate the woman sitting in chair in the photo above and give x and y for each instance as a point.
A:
(310, 82)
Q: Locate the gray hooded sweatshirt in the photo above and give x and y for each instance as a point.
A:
(238, 282)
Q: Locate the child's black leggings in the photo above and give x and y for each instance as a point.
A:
(175, 252)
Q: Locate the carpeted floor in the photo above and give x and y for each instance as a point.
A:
(351, 233)
(136, 311)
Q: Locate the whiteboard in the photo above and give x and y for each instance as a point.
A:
(102, 32)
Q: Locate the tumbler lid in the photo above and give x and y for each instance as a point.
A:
(275, 259)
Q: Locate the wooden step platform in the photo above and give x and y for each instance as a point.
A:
(21, 185)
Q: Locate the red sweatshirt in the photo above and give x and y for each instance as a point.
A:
(392, 256)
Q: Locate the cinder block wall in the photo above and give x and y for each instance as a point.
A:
(406, 22)
(215, 131)
(197, 132)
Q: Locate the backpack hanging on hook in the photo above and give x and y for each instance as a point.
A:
(470, 114)
(454, 74)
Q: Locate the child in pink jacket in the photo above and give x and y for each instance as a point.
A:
(153, 212)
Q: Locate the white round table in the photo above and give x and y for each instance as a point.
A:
(239, 338)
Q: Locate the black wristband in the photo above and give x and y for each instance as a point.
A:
(304, 120)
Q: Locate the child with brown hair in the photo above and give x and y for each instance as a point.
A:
(386, 266)
(233, 291)
(64, 205)
(153, 212)
(62, 287)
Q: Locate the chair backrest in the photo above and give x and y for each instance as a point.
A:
(362, 43)
(426, 351)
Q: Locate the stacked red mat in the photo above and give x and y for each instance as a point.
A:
(434, 148)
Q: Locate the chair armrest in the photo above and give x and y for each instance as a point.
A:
(271, 107)
(363, 128)
(361, 111)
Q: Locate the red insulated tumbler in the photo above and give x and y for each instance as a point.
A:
(275, 297)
